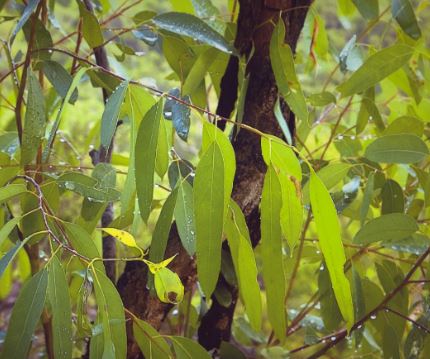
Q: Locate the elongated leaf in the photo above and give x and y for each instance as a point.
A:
(58, 296)
(403, 12)
(25, 316)
(330, 175)
(209, 200)
(146, 149)
(189, 25)
(7, 228)
(155, 267)
(111, 113)
(331, 245)
(402, 148)
(184, 216)
(393, 226)
(179, 113)
(112, 343)
(278, 153)
(35, 120)
(90, 27)
(244, 264)
(11, 191)
(88, 187)
(271, 252)
(291, 211)
(149, 341)
(164, 144)
(369, 9)
(29, 9)
(60, 79)
(198, 71)
(367, 197)
(377, 67)
(282, 60)
(186, 348)
(162, 229)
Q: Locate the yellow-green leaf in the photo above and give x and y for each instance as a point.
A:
(123, 236)
(331, 245)
(168, 286)
(209, 192)
(282, 60)
(155, 267)
(271, 252)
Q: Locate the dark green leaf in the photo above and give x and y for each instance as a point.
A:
(186, 348)
(392, 198)
(184, 216)
(149, 341)
(178, 113)
(377, 67)
(322, 99)
(111, 113)
(25, 316)
(60, 79)
(405, 124)
(191, 26)
(146, 149)
(394, 226)
(403, 148)
(35, 120)
(369, 9)
(58, 296)
(403, 12)
(29, 9)
(90, 27)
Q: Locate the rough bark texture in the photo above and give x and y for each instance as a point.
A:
(255, 26)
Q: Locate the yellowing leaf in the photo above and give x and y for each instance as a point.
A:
(168, 286)
(123, 236)
(155, 267)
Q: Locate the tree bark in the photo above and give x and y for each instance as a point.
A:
(255, 26)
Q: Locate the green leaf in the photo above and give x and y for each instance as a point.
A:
(164, 144)
(271, 252)
(331, 245)
(191, 26)
(28, 10)
(367, 197)
(209, 201)
(393, 226)
(403, 12)
(405, 124)
(322, 99)
(392, 198)
(279, 154)
(184, 216)
(88, 187)
(25, 316)
(244, 264)
(330, 175)
(377, 67)
(291, 211)
(35, 120)
(11, 190)
(90, 27)
(162, 229)
(7, 228)
(58, 296)
(198, 71)
(282, 60)
(329, 309)
(146, 149)
(112, 342)
(369, 9)
(42, 40)
(168, 286)
(60, 79)
(281, 120)
(402, 148)
(111, 113)
(150, 342)
(186, 348)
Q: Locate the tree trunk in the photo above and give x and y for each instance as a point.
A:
(255, 26)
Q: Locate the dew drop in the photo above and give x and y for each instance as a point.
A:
(373, 316)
